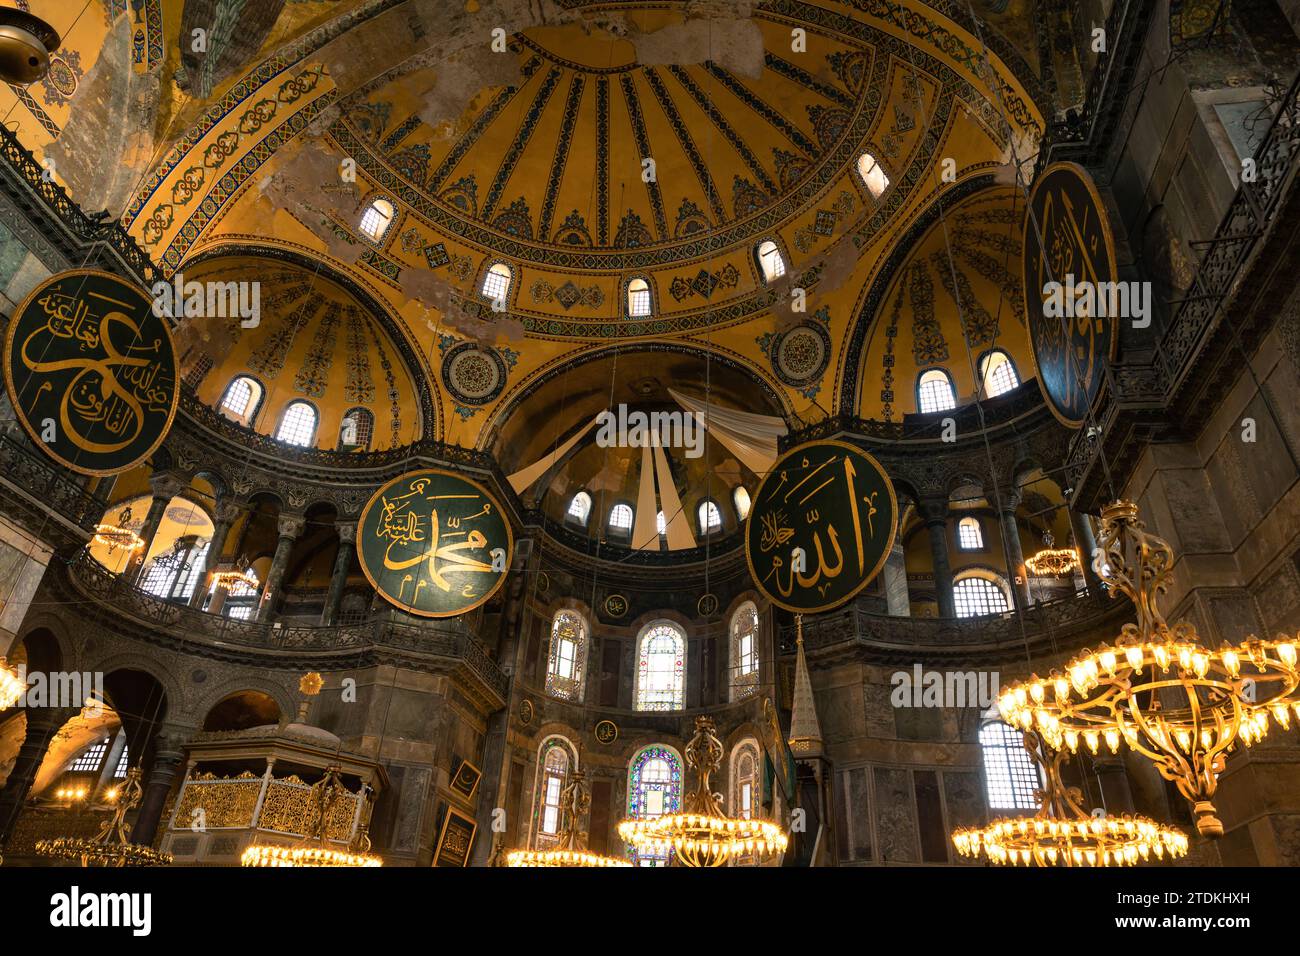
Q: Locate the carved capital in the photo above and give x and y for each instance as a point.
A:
(347, 532)
(167, 484)
(291, 526)
(228, 510)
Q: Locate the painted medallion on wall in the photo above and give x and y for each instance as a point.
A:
(91, 372)
(821, 526)
(1070, 279)
(434, 543)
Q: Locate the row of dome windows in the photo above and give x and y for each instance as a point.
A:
(708, 516)
(379, 215)
(299, 421)
(935, 392)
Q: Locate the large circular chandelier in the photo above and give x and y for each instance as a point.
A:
(1159, 689)
(704, 836)
(119, 535)
(1062, 833)
(111, 846)
(1052, 562)
(570, 849)
(314, 848)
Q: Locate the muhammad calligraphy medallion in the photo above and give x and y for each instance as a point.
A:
(821, 526)
(1069, 275)
(91, 372)
(434, 543)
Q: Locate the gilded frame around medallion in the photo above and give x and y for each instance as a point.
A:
(462, 823)
(34, 434)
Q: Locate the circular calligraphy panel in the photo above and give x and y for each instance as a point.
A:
(821, 526)
(92, 372)
(434, 543)
(1072, 290)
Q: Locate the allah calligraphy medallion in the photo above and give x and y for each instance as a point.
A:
(821, 526)
(434, 543)
(1069, 273)
(91, 372)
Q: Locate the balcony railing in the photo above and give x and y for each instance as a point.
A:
(1065, 622)
(449, 638)
(23, 468)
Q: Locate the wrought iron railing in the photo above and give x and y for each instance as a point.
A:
(450, 638)
(25, 469)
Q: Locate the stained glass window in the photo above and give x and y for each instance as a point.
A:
(1010, 774)
(568, 657)
(744, 651)
(661, 668)
(554, 760)
(654, 787)
(745, 766)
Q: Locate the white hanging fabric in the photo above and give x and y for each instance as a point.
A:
(679, 528)
(524, 477)
(749, 436)
(645, 533)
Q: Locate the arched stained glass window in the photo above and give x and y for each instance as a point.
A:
(654, 787)
(555, 759)
(745, 765)
(744, 651)
(661, 668)
(1010, 774)
(567, 663)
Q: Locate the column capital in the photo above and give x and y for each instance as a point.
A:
(167, 484)
(228, 509)
(291, 526)
(347, 532)
(933, 509)
(1009, 500)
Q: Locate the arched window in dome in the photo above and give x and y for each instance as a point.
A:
(356, 430)
(555, 760)
(998, 373)
(297, 425)
(377, 218)
(710, 517)
(970, 536)
(740, 498)
(620, 518)
(873, 176)
(566, 664)
(496, 283)
(745, 766)
(744, 651)
(241, 400)
(661, 524)
(579, 508)
(770, 260)
(934, 392)
(639, 301)
(661, 667)
(654, 787)
(975, 596)
(1010, 774)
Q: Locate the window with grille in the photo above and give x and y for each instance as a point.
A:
(357, 428)
(89, 759)
(999, 374)
(620, 518)
(770, 260)
(638, 298)
(661, 524)
(970, 537)
(298, 426)
(377, 218)
(1010, 774)
(580, 507)
(496, 283)
(934, 392)
(654, 787)
(710, 517)
(744, 651)
(661, 668)
(977, 596)
(241, 398)
(198, 370)
(122, 764)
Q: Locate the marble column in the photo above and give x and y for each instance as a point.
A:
(898, 600)
(339, 578)
(168, 756)
(1086, 542)
(1018, 574)
(42, 724)
(165, 486)
(227, 513)
(290, 527)
(935, 515)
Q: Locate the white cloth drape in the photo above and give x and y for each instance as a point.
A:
(749, 436)
(524, 477)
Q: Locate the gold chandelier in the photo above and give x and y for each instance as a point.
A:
(228, 579)
(111, 846)
(314, 848)
(1062, 833)
(120, 535)
(1052, 562)
(569, 850)
(703, 836)
(12, 685)
(1158, 689)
